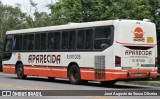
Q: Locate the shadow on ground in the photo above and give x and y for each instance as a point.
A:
(92, 84)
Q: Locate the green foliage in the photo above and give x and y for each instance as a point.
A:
(66, 11)
(41, 19)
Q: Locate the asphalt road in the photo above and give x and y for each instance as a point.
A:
(10, 82)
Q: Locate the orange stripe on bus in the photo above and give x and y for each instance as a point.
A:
(86, 73)
(9, 69)
(48, 71)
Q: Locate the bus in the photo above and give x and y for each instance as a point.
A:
(104, 51)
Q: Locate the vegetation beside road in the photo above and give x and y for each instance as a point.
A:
(150, 82)
(147, 83)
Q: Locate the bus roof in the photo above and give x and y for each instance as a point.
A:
(66, 26)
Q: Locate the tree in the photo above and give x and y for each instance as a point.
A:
(10, 18)
(66, 11)
(37, 19)
(42, 19)
(1, 30)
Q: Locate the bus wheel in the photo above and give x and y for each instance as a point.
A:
(51, 78)
(20, 72)
(108, 83)
(74, 74)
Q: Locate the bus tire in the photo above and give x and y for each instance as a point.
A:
(74, 75)
(108, 83)
(20, 72)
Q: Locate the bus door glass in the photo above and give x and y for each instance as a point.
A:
(8, 48)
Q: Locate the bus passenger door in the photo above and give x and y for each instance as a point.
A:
(8, 49)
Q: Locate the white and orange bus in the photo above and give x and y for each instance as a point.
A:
(105, 51)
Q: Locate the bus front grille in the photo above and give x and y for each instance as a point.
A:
(99, 67)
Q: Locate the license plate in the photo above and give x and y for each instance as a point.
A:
(138, 75)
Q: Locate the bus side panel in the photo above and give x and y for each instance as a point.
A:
(46, 71)
(10, 69)
(87, 73)
(95, 65)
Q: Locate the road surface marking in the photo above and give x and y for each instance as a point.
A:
(19, 87)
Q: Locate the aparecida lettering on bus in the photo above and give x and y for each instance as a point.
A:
(44, 59)
(138, 52)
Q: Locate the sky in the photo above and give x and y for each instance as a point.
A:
(25, 5)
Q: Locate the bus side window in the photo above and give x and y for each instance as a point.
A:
(80, 39)
(72, 39)
(37, 41)
(43, 41)
(30, 42)
(25, 42)
(88, 41)
(57, 41)
(17, 43)
(64, 44)
(50, 43)
(8, 49)
(102, 37)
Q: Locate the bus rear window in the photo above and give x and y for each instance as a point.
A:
(139, 47)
